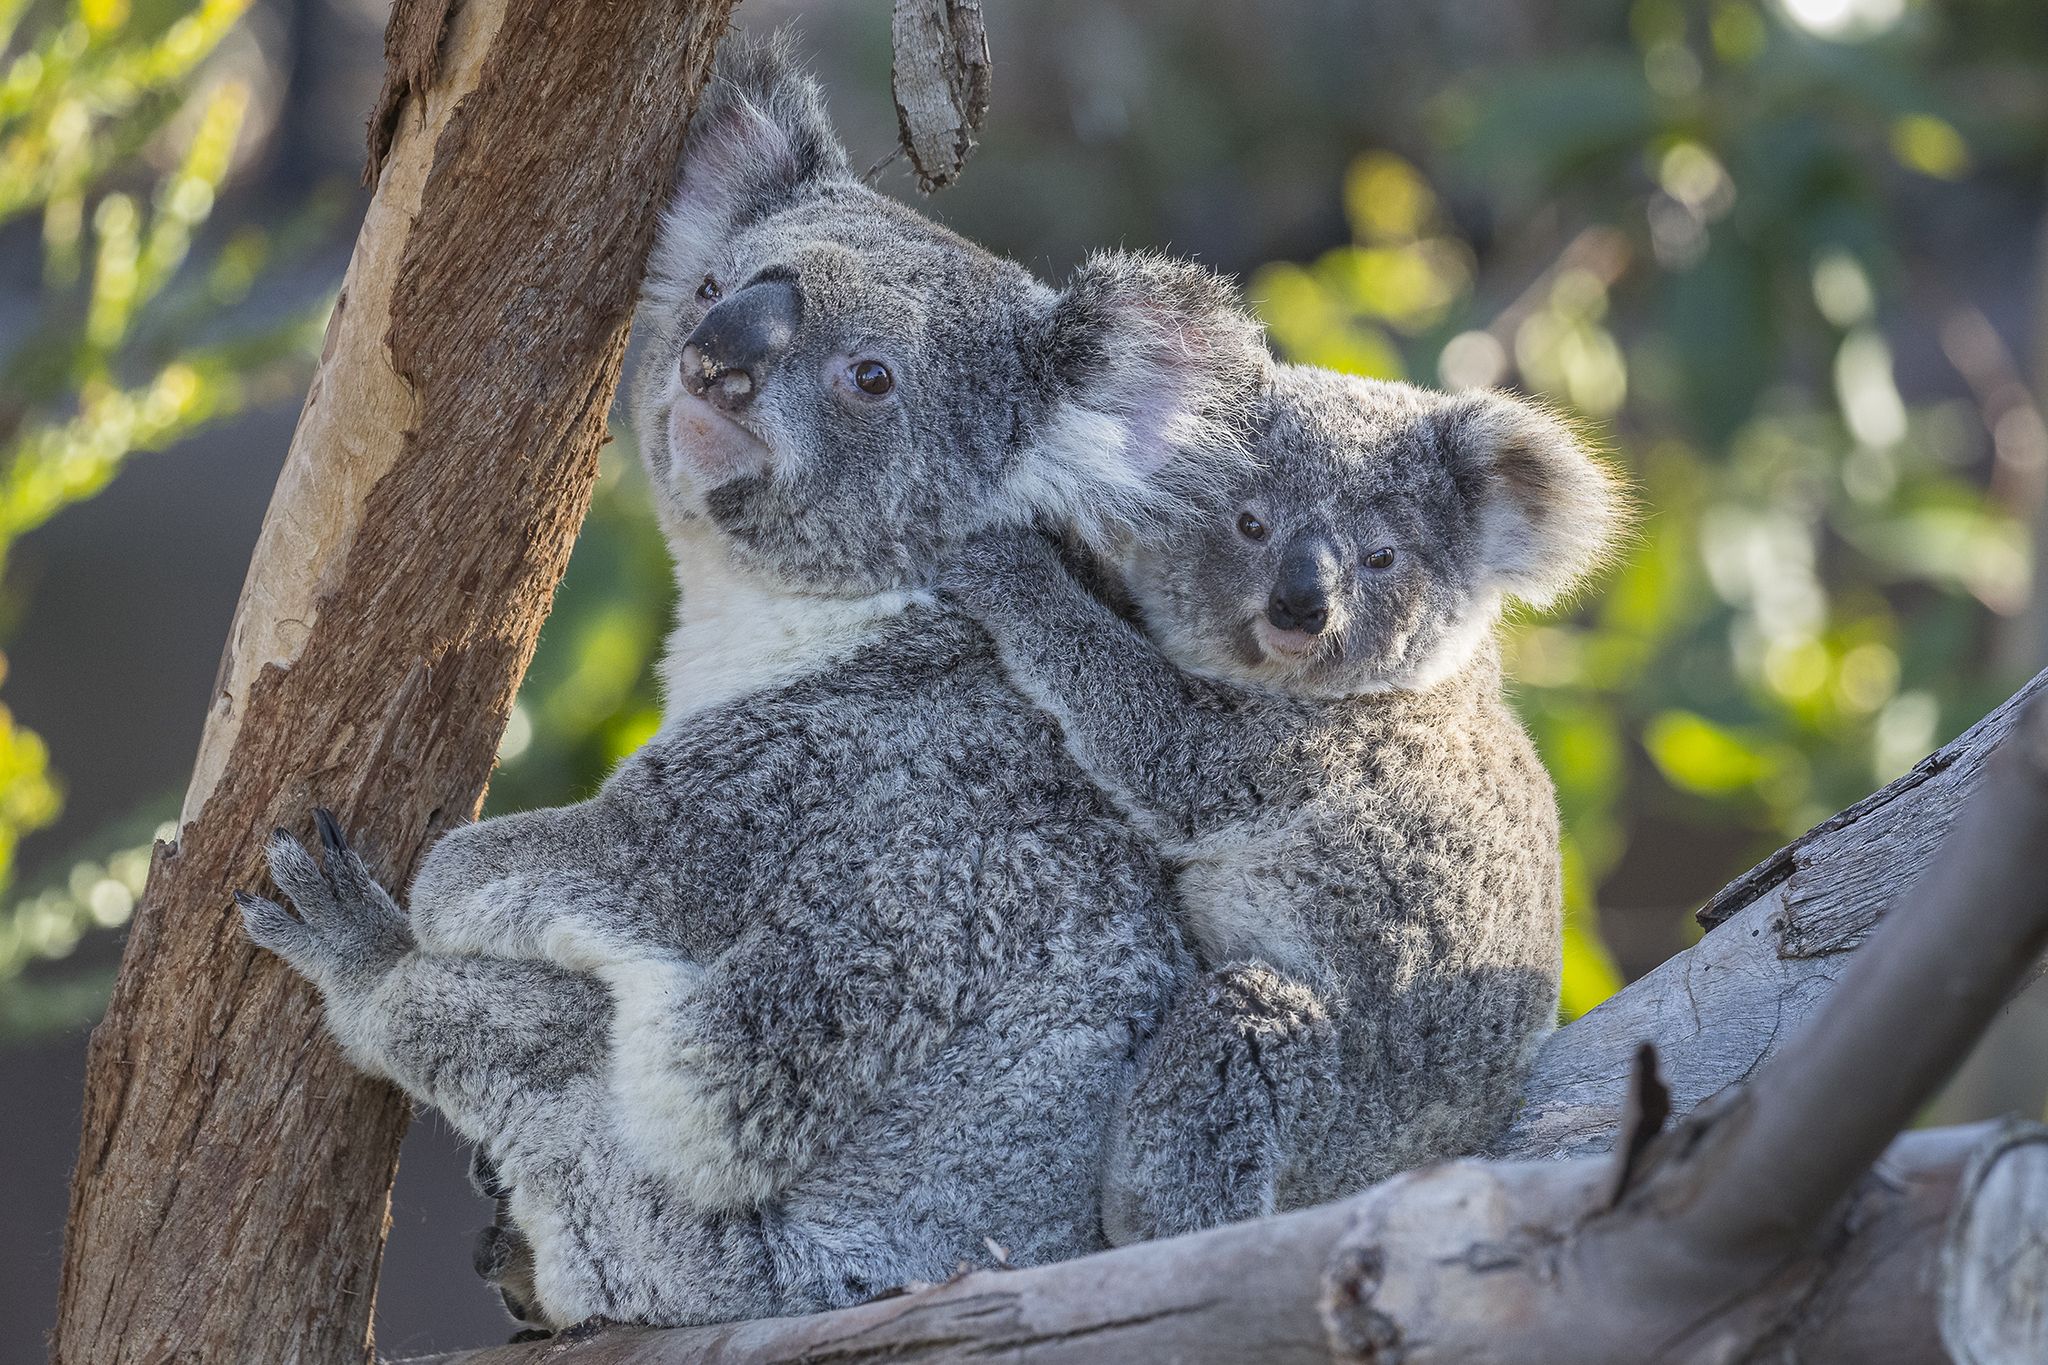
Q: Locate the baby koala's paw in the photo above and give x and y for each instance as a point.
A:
(1206, 1133)
(346, 925)
(1262, 1006)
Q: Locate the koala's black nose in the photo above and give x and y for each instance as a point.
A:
(1301, 596)
(1304, 607)
(728, 357)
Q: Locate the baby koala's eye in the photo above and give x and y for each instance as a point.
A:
(1381, 558)
(1250, 527)
(871, 377)
(709, 292)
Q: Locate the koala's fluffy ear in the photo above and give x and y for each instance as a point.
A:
(760, 140)
(1153, 368)
(1549, 509)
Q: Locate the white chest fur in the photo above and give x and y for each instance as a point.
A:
(739, 632)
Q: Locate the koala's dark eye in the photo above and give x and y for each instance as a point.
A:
(1250, 527)
(871, 377)
(709, 292)
(1381, 558)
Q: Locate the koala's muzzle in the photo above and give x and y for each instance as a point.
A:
(729, 355)
(1301, 594)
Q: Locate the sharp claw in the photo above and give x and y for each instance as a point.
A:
(244, 899)
(330, 832)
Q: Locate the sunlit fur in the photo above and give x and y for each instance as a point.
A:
(1365, 845)
(838, 977)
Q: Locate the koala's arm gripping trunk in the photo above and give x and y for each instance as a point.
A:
(440, 469)
(1180, 751)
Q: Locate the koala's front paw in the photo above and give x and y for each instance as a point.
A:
(346, 927)
(991, 568)
(504, 1260)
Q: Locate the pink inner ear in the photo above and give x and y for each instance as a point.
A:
(1146, 450)
(1163, 388)
(743, 142)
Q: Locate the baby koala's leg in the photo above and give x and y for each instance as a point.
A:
(1226, 1097)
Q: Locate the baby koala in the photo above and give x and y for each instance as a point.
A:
(1312, 727)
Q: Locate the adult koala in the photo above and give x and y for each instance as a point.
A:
(880, 954)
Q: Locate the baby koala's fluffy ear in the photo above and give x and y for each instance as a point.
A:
(1155, 369)
(760, 140)
(1549, 509)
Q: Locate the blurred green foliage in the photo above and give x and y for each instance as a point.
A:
(1693, 242)
(117, 135)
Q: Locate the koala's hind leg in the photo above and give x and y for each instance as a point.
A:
(1226, 1098)
(494, 1045)
(734, 1078)
(503, 1256)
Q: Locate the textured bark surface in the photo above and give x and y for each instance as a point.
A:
(1782, 934)
(1430, 1269)
(234, 1174)
(940, 77)
(1755, 1228)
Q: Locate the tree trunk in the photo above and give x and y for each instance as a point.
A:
(234, 1174)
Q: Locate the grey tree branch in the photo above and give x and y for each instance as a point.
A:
(1755, 1228)
(1782, 934)
(1905, 1015)
(1432, 1267)
(940, 78)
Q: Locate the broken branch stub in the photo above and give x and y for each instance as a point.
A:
(941, 84)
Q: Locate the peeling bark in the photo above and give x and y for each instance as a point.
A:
(234, 1174)
(940, 77)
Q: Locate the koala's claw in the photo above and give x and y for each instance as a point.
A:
(587, 1329)
(269, 925)
(344, 920)
(330, 832)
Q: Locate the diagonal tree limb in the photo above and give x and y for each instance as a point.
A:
(234, 1174)
(1781, 937)
(1754, 1229)
(1904, 1016)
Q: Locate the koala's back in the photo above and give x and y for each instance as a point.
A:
(908, 795)
(1406, 863)
(909, 840)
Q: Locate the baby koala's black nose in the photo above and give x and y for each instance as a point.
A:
(728, 357)
(1302, 606)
